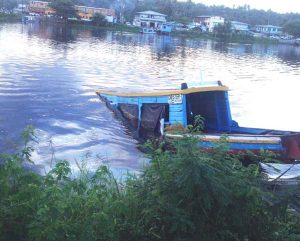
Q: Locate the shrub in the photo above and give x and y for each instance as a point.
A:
(184, 195)
(192, 195)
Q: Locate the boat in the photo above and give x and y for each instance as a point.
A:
(287, 41)
(149, 113)
(165, 28)
(32, 18)
(148, 30)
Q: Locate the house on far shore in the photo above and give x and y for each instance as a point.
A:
(21, 8)
(40, 7)
(87, 13)
(209, 22)
(268, 29)
(84, 12)
(239, 27)
(149, 19)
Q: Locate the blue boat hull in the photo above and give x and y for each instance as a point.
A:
(151, 112)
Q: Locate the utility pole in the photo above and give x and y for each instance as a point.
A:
(122, 7)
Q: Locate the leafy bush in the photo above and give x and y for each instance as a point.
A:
(198, 125)
(293, 28)
(193, 195)
(186, 195)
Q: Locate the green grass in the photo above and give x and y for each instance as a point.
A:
(109, 26)
(232, 38)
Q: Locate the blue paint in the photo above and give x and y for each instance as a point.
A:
(227, 110)
(214, 107)
(244, 146)
(162, 99)
(217, 110)
(176, 114)
(255, 131)
(184, 111)
(165, 28)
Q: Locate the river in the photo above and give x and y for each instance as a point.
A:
(49, 75)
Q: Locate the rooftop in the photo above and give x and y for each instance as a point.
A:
(152, 13)
(270, 26)
(236, 22)
(207, 16)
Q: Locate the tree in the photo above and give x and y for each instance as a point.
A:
(99, 19)
(9, 4)
(293, 28)
(223, 29)
(63, 8)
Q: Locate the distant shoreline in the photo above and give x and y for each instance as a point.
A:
(232, 38)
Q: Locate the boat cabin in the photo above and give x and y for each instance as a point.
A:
(150, 112)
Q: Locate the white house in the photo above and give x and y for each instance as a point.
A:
(21, 8)
(149, 19)
(239, 26)
(268, 29)
(209, 22)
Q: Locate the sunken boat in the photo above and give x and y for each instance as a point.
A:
(149, 113)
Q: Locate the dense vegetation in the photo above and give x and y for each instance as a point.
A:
(9, 17)
(293, 28)
(181, 11)
(63, 8)
(186, 10)
(186, 194)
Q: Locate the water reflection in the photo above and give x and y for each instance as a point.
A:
(49, 74)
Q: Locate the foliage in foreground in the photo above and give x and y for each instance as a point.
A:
(187, 195)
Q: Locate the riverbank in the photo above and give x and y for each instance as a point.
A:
(4, 17)
(230, 38)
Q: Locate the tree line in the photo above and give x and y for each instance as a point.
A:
(184, 12)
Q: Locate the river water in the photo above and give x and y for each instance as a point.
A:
(49, 75)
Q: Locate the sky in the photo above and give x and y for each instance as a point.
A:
(275, 5)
